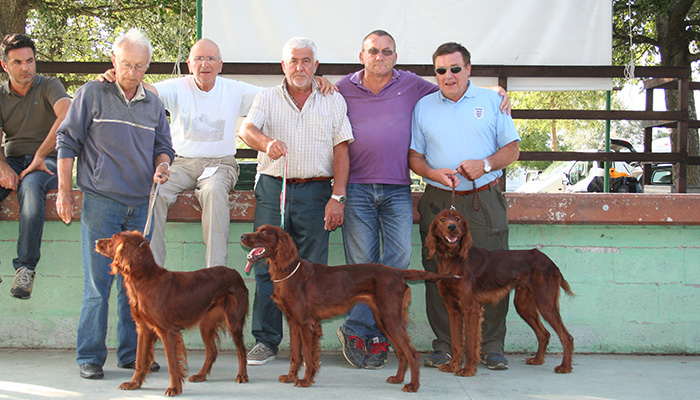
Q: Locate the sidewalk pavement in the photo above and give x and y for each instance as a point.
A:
(53, 374)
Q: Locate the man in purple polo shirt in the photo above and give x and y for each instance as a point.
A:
(379, 208)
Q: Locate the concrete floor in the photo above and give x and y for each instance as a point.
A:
(47, 374)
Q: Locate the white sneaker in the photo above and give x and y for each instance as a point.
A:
(260, 354)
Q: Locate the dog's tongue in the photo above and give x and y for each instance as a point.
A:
(452, 238)
(253, 256)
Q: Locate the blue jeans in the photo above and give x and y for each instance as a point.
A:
(31, 196)
(376, 216)
(305, 209)
(102, 217)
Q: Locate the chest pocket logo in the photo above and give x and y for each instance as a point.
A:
(478, 112)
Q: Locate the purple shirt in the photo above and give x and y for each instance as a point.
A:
(381, 125)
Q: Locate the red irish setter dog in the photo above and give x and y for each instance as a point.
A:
(487, 276)
(165, 302)
(308, 293)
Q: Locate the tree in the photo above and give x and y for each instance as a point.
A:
(663, 32)
(67, 30)
(565, 135)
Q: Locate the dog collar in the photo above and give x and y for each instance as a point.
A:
(288, 276)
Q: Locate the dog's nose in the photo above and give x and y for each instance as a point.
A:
(451, 227)
(243, 235)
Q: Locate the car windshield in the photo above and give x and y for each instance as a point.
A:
(554, 169)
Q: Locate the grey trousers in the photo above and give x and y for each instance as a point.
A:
(213, 196)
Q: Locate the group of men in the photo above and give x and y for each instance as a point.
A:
(345, 157)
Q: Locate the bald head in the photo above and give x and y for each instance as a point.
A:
(205, 63)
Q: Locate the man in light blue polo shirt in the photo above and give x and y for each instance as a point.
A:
(460, 138)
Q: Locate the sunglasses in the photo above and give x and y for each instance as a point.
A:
(443, 71)
(374, 51)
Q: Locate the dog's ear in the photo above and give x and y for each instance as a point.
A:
(286, 249)
(430, 241)
(466, 239)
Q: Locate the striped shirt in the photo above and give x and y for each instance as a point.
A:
(310, 133)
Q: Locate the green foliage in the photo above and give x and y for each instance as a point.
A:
(84, 30)
(665, 32)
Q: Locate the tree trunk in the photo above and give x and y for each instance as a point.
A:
(555, 140)
(13, 16)
(673, 46)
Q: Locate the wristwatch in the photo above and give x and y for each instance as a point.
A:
(487, 166)
(339, 198)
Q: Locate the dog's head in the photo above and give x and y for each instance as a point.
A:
(269, 242)
(126, 248)
(449, 236)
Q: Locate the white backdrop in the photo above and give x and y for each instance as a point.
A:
(508, 32)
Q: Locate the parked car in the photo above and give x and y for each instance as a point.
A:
(575, 176)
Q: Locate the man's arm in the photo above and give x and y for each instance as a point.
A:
(8, 176)
(506, 155)
(420, 166)
(49, 143)
(341, 169)
(253, 137)
(64, 200)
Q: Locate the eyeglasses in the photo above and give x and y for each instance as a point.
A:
(386, 52)
(128, 66)
(443, 71)
(201, 59)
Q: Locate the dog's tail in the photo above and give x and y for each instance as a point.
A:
(418, 275)
(565, 285)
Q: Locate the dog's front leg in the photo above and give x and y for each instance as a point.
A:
(295, 357)
(472, 326)
(177, 360)
(144, 357)
(310, 338)
(451, 298)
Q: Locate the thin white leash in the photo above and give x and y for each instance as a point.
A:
(283, 193)
(151, 207)
(288, 276)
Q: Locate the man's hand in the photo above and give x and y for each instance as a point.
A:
(64, 205)
(108, 76)
(471, 169)
(334, 215)
(37, 164)
(162, 173)
(8, 177)
(445, 176)
(276, 149)
(325, 86)
(505, 104)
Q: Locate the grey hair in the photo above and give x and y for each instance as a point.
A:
(136, 37)
(297, 43)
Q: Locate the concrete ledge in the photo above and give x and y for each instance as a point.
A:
(523, 208)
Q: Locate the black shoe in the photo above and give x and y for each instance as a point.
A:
(378, 354)
(91, 371)
(353, 348)
(155, 367)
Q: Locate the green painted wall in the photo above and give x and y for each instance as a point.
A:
(637, 287)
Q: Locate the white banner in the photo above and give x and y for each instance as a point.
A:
(508, 32)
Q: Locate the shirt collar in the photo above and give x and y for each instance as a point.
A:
(140, 92)
(471, 92)
(356, 78)
(6, 86)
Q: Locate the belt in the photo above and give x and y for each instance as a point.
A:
(305, 180)
(479, 189)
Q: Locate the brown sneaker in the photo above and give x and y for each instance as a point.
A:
(23, 283)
